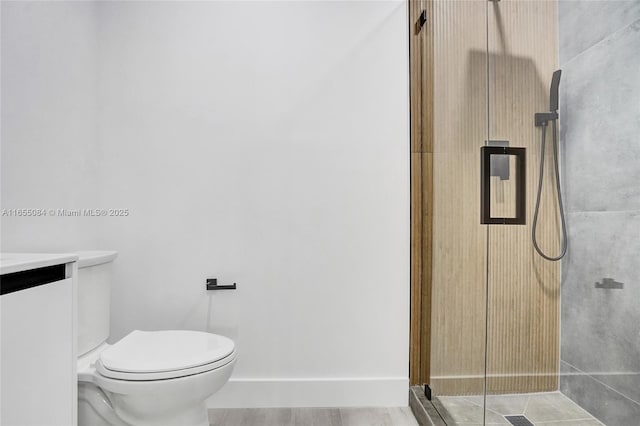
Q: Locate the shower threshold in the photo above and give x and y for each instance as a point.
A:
(547, 408)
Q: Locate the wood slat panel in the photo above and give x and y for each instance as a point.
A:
(415, 59)
(419, 335)
(426, 264)
(416, 46)
(522, 318)
(523, 327)
(428, 81)
(421, 194)
(459, 241)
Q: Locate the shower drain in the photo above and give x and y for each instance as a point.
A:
(518, 420)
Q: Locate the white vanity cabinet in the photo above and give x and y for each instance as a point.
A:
(38, 383)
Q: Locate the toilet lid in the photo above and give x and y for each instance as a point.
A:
(158, 351)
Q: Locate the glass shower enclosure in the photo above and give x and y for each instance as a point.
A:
(517, 338)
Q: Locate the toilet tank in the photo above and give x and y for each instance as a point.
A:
(94, 297)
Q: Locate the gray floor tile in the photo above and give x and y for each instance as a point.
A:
(365, 417)
(227, 417)
(216, 416)
(402, 416)
(503, 404)
(316, 417)
(553, 406)
(251, 417)
(571, 423)
(274, 417)
(458, 409)
(462, 410)
(393, 416)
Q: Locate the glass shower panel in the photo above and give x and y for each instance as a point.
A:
(516, 337)
(563, 337)
(457, 63)
(523, 290)
(599, 131)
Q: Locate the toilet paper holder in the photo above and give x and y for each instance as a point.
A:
(212, 284)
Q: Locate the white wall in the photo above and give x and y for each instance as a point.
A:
(263, 143)
(49, 59)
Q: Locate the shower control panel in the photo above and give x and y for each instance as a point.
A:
(502, 184)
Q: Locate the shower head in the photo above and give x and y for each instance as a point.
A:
(542, 118)
(553, 92)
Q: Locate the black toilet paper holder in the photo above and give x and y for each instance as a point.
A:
(212, 284)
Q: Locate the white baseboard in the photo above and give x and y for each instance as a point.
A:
(313, 392)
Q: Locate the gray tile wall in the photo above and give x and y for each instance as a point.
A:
(600, 132)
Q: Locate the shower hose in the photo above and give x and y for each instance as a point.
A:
(563, 250)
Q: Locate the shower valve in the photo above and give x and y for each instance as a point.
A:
(542, 118)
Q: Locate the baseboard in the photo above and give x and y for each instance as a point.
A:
(496, 384)
(312, 392)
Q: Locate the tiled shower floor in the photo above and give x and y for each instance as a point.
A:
(550, 408)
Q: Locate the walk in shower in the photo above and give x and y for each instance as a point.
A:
(520, 332)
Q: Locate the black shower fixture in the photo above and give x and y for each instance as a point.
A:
(542, 118)
(553, 91)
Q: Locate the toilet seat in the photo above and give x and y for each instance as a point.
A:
(163, 375)
(159, 355)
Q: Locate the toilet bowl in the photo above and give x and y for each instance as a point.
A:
(148, 378)
(153, 378)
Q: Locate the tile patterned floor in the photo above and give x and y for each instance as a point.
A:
(550, 409)
(400, 416)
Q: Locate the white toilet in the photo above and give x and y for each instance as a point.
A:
(149, 378)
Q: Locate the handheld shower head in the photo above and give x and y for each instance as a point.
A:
(542, 118)
(553, 91)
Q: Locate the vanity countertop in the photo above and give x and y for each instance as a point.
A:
(17, 262)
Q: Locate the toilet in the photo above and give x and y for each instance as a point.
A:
(148, 378)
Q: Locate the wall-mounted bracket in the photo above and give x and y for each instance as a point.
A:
(542, 118)
(422, 19)
(427, 392)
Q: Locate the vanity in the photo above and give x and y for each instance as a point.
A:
(38, 384)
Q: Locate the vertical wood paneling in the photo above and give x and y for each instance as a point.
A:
(426, 263)
(428, 81)
(419, 361)
(419, 335)
(421, 68)
(523, 327)
(459, 241)
(470, 261)
(416, 46)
